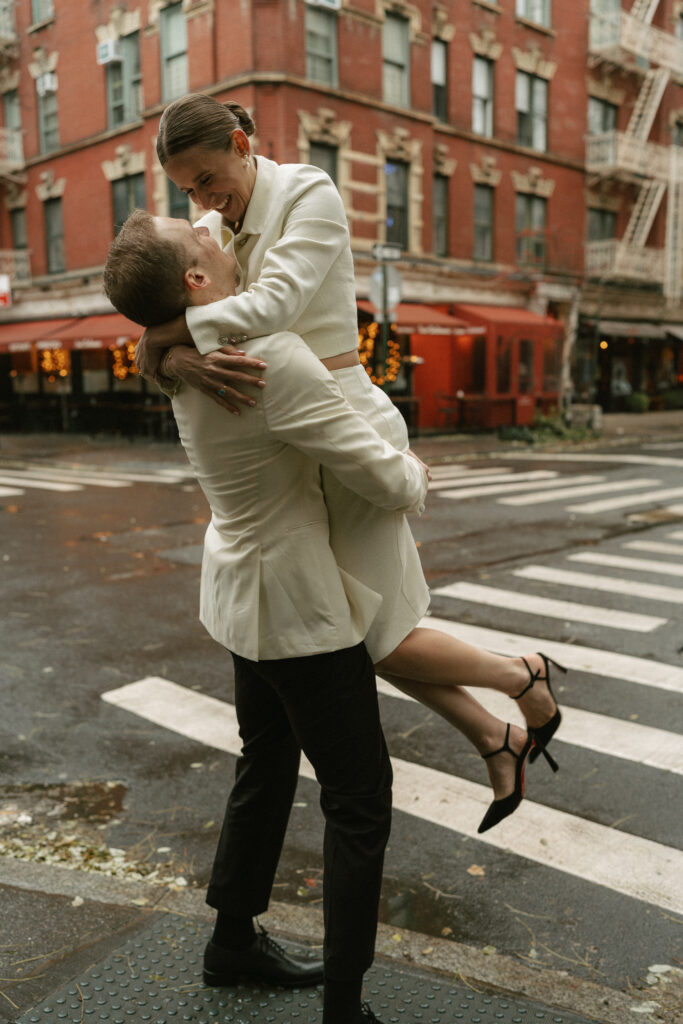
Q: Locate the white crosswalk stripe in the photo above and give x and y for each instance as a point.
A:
(606, 584)
(628, 501)
(66, 479)
(572, 491)
(622, 562)
(550, 607)
(40, 485)
(489, 484)
(676, 535)
(457, 471)
(10, 492)
(655, 546)
(627, 864)
(63, 476)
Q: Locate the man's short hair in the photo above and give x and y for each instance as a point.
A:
(144, 273)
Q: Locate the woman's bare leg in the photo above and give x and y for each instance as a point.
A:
(479, 726)
(428, 656)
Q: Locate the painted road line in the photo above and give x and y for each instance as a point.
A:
(608, 664)
(606, 584)
(513, 485)
(41, 485)
(676, 535)
(614, 737)
(635, 867)
(655, 546)
(627, 460)
(634, 564)
(473, 476)
(498, 479)
(53, 474)
(535, 497)
(608, 504)
(459, 469)
(549, 607)
(10, 492)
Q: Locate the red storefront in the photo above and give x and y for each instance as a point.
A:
(498, 372)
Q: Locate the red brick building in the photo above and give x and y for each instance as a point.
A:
(524, 156)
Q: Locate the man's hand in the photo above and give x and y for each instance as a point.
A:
(221, 374)
(423, 464)
(154, 342)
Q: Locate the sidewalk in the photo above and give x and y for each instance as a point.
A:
(86, 947)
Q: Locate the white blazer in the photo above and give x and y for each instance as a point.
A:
(270, 585)
(297, 269)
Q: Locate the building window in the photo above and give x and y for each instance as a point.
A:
(440, 79)
(530, 220)
(48, 125)
(602, 116)
(321, 46)
(174, 78)
(677, 134)
(537, 11)
(18, 222)
(678, 28)
(482, 96)
(41, 10)
(397, 203)
(325, 157)
(525, 367)
(178, 202)
(54, 236)
(124, 99)
(602, 225)
(440, 214)
(396, 61)
(531, 101)
(128, 194)
(12, 117)
(483, 222)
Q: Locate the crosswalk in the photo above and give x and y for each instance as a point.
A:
(528, 487)
(562, 840)
(18, 479)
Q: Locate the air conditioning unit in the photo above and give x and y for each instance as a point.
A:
(109, 52)
(331, 5)
(46, 83)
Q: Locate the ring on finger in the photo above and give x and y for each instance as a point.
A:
(221, 392)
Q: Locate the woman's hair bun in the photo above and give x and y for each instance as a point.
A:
(245, 120)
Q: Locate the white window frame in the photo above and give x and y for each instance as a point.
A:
(483, 253)
(321, 45)
(439, 74)
(538, 11)
(173, 59)
(42, 10)
(125, 75)
(396, 60)
(440, 240)
(530, 237)
(482, 102)
(531, 101)
(48, 116)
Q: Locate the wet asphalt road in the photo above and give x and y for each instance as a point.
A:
(100, 589)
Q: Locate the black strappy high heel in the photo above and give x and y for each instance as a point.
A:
(504, 807)
(543, 734)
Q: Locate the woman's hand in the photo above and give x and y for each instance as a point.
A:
(155, 340)
(423, 464)
(220, 374)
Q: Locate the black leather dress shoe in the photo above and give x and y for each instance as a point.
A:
(264, 961)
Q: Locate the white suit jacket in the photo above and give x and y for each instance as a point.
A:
(270, 585)
(297, 269)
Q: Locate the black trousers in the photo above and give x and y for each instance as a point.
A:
(325, 705)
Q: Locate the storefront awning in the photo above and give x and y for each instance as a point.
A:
(675, 330)
(416, 319)
(512, 317)
(77, 333)
(630, 329)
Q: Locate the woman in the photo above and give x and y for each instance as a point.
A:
(287, 226)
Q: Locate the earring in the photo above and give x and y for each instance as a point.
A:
(246, 160)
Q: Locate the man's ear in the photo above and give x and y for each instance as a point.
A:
(195, 279)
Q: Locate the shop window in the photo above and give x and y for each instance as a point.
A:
(530, 226)
(503, 346)
(54, 236)
(483, 222)
(48, 125)
(128, 194)
(440, 214)
(18, 221)
(531, 103)
(396, 61)
(321, 46)
(324, 157)
(478, 384)
(602, 225)
(482, 96)
(551, 363)
(41, 10)
(440, 79)
(24, 372)
(178, 202)
(397, 203)
(124, 83)
(602, 116)
(537, 11)
(174, 74)
(525, 371)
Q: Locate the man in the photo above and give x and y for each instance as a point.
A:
(273, 594)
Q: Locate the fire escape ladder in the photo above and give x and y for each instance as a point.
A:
(644, 10)
(649, 98)
(673, 270)
(644, 212)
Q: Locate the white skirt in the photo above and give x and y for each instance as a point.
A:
(375, 546)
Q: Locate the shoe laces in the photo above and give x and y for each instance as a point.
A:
(268, 941)
(368, 1015)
